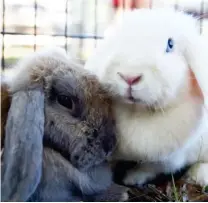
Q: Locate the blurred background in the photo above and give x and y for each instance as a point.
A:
(76, 25)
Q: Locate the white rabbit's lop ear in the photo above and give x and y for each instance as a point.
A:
(197, 57)
(44, 60)
(23, 148)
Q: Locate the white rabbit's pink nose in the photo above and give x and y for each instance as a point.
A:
(130, 80)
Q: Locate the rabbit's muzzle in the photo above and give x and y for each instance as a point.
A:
(95, 150)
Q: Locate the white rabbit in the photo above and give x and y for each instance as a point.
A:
(156, 65)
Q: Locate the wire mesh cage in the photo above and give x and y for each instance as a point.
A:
(76, 25)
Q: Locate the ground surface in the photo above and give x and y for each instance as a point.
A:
(165, 188)
(182, 192)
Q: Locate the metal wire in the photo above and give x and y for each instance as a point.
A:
(176, 5)
(201, 13)
(66, 25)
(3, 33)
(35, 25)
(95, 22)
(81, 36)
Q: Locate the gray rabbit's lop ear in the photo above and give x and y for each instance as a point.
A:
(23, 149)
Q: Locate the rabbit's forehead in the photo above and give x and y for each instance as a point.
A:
(151, 28)
(166, 19)
(66, 78)
(65, 82)
(150, 36)
(85, 86)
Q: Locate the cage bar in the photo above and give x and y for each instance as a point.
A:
(81, 35)
(3, 33)
(35, 24)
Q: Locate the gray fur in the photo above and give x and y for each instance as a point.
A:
(53, 173)
(22, 156)
(62, 182)
(86, 136)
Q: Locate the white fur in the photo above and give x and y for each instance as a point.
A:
(176, 132)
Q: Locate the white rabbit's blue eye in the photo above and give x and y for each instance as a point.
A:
(170, 45)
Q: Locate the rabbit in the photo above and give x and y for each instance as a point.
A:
(155, 63)
(59, 132)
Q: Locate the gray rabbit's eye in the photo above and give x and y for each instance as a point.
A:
(66, 101)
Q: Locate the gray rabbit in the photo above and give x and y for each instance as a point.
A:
(59, 133)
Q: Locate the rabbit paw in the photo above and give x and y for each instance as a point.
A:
(124, 197)
(198, 174)
(138, 177)
(116, 193)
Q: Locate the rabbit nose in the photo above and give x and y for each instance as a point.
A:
(131, 80)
